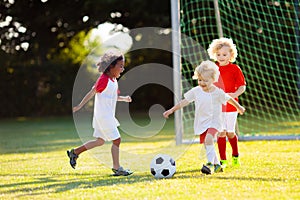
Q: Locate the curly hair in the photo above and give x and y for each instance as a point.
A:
(209, 68)
(108, 60)
(217, 44)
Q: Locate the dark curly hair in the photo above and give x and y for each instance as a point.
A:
(109, 60)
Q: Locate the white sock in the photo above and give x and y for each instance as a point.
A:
(210, 153)
(216, 160)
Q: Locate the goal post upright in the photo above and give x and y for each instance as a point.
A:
(175, 16)
(218, 18)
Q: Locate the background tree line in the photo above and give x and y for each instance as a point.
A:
(42, 48)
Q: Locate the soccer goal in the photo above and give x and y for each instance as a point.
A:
(266, 34)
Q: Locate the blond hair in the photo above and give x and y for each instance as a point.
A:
(109, 58)
(217, 44)
(208, 68)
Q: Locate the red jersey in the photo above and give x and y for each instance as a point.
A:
(231, 78)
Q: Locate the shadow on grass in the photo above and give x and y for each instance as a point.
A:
(196, 173)
(45, 183)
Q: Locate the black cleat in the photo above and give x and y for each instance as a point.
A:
(72, 157)
(206, 169)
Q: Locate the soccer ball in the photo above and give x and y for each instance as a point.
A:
(162, 166)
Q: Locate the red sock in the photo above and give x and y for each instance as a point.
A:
(234, 145)
(222, 147)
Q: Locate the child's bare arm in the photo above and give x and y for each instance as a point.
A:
(85, 99)
(178, 106)
(124, 98)
(238, 92)
(236, 104)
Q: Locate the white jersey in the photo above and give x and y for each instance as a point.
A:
(208, 108)
(105, 106)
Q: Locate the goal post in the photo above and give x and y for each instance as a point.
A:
(267, 37)
(176, 68)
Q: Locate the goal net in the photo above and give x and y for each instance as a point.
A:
(266, 34)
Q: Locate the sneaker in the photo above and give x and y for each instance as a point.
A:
(224, 163)
(207, 169)
(121, 172)
(236, 161)
(72, 157)
(218, 168)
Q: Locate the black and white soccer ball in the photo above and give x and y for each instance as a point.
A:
(163, 166)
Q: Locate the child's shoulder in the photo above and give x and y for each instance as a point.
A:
(234, 67)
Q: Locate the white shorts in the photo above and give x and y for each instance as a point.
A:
(229, 121)
(108, 135)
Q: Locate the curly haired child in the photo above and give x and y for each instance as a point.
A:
(232, 81)
(105, 90)
(208, 110)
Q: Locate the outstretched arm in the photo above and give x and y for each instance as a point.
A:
(178, 106)
(124, 98)
(238, 106)
(85, 99)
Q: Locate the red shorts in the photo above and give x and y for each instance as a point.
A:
(211, 131)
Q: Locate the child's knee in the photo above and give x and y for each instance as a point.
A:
(100, 141)
(117, 142)
(222, 134)
(230, 134)
(209, 140)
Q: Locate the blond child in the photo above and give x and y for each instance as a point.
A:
(208, 109)
(105, 90)
(232, 81)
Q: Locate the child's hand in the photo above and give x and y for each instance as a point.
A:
(127, 99)
(167, 113)
(76, 108)
(241, 110)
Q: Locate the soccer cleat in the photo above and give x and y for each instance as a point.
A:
(236, 161)
(224, 163)
(121, 172)
(207, 169)
(72, 157)
(218, 168)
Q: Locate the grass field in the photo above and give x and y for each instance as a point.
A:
(34, 165)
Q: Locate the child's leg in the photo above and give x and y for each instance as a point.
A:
(232, 137)
(222, 145)
(89, 145)
(73, 153)
(233, 140)
(210, 149)
(115, 153)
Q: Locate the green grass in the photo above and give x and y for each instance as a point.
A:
(34, 165)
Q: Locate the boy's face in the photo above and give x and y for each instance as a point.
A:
(116, 71)
(205, 82)
(223, 55)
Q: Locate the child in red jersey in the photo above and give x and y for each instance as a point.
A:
(105, 124)
(232, 81)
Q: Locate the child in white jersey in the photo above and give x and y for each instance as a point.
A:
(105, 90)
(208, 109)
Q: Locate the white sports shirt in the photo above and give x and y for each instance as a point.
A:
(208, 108)
(105, 105)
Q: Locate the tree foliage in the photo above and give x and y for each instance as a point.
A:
(41, 46)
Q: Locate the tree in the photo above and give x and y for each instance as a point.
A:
(40, 42)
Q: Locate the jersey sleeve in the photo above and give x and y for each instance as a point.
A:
(190, 95)
(101, 83)
(239, 77)
(224, 97)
